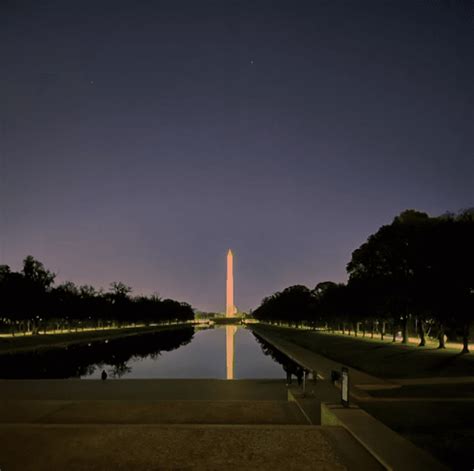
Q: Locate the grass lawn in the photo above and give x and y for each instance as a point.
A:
(444, 429)
(428, 390)
(381, 359)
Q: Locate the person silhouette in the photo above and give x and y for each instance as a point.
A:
(299, 375)
(103, 375)
(288, 372)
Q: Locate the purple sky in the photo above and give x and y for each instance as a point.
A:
(140, 140)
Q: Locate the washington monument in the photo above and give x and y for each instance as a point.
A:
(230, 308)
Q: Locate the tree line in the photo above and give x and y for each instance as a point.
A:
(31, 302)
(415, 275)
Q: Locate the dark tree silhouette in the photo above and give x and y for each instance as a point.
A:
(29, 301)
(416, 273)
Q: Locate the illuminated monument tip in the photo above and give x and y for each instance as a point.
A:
(230, 309)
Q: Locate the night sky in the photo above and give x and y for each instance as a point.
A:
(142, 139)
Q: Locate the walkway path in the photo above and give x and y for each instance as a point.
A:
(322, 365)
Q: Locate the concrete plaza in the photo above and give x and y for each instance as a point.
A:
(165, 424)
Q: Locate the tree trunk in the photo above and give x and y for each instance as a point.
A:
(356, 329)
(441, 341)
(421, 331)
(343, 328)
(465, 337)
(394, 332)
(405, 329)
(382, 332)
(372, 330)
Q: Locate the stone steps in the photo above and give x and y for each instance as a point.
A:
(45, 447)
(143, 389)
(151, 412)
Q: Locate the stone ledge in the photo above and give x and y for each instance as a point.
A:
(389, 448)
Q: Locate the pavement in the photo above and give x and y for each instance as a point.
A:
(152, 412)
(143, 389)
(160, 447)
(166, 424)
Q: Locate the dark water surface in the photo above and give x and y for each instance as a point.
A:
(231, 352)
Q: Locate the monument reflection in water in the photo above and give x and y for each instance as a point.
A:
(288, 365)
(229, 350)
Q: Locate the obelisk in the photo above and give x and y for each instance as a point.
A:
(230, 309)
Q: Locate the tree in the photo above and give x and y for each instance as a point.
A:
(295, 304)
(120, 290)
(463, 276)
(34, 271)
(4, 273)
(391, 259)
(332, 306)
(29, 298)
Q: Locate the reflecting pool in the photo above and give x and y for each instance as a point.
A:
(230, 352)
